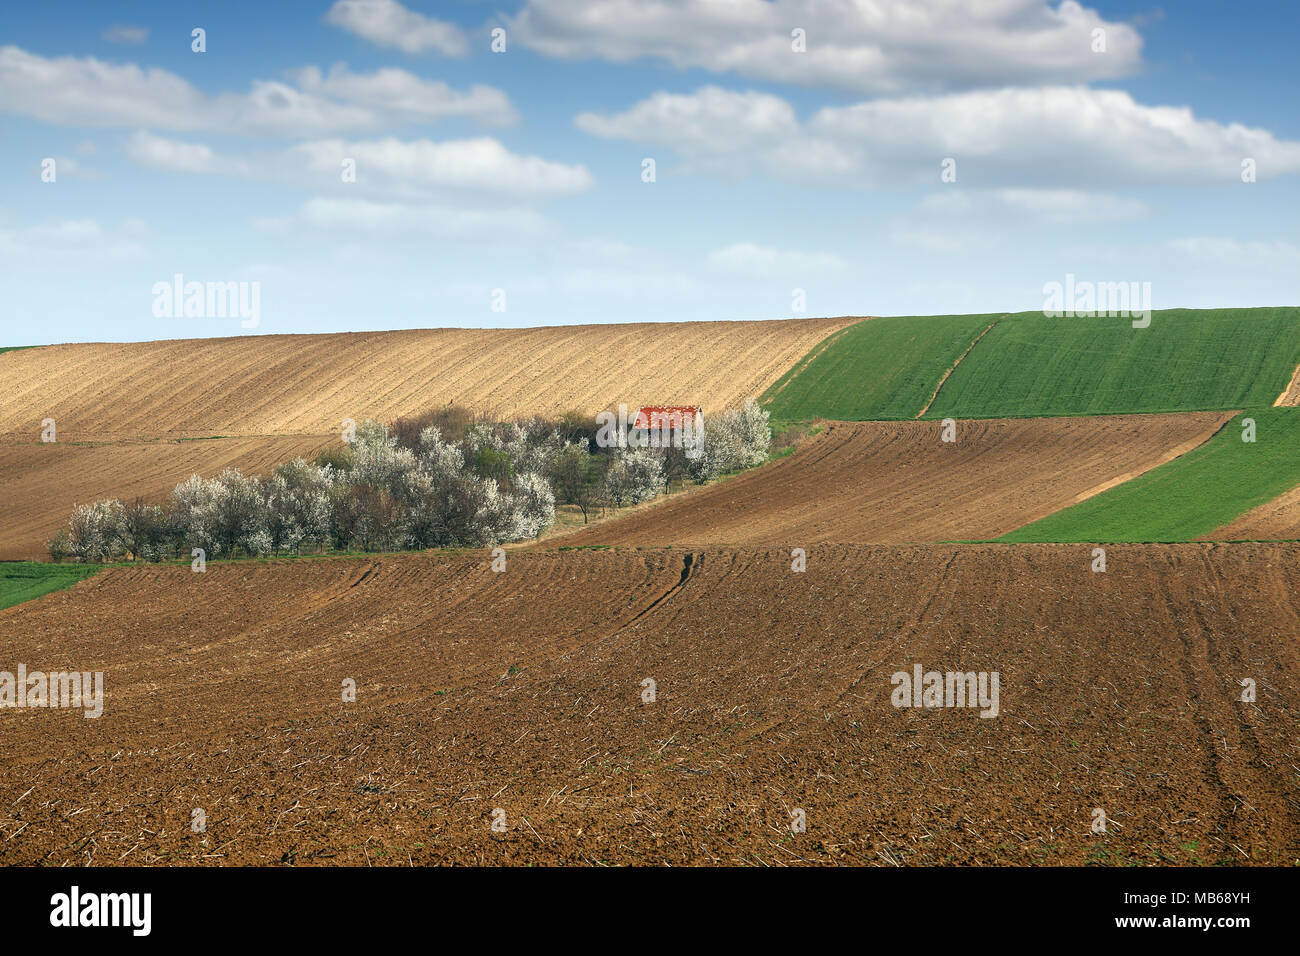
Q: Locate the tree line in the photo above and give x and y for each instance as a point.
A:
(448, 478)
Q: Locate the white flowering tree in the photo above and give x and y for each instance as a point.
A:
(97, 532)
(635, 475)
(737, 438)
(498, 483)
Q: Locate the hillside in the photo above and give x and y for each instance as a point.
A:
(44, 482)
(523, 692)
(1028, 365)
(894, 482)
(307, 384)
(883, 369)
(1186, 360)
(1194, 495)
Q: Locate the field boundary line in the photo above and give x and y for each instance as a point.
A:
(1292, 389)
(954, 366)
(1178, 451)
(793, 371)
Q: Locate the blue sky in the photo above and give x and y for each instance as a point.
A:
(521, 171)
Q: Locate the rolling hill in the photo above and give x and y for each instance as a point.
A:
(1191, 496)
(1026, 365)
(307, 384)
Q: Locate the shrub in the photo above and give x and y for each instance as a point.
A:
(450, 420)
(444, 479)
(58, 546)
(336, 457)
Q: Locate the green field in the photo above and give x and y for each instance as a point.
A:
(878, 369)
(23, 580)
(1188, 359)
(1032, 366)
(1189, 496)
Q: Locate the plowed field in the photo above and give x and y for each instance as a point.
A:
(307, 384)
(1276, 520)
(523, 693)
(44, 482)
(894, 482)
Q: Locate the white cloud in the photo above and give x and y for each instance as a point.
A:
(133, 36)
(709, 123)
(389, 24)
(404, 94)
(60, 239)
(482, 164)
(90, 92)
(1073, 136)
(161, 153)
(748, 258)
(878, 46)
(387, 167)
(408, 221)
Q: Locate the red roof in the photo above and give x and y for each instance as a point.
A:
(653, 416)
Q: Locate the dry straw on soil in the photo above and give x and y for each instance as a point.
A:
(523, 691)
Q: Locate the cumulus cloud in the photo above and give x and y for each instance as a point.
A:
(400, 93)
(886, 46)
(85, 91)
(389, 24)
(1040, 137)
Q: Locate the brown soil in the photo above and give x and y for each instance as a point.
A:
(44, 482)
(307, 384)
(523, 691)
(1278, 519)
(894, 482)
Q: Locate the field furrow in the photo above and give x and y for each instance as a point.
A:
(307, 384)
(772, 693)
(893, 482)
(44, 482)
